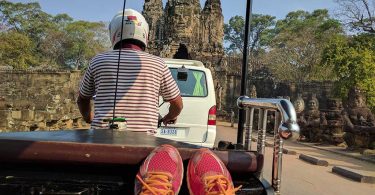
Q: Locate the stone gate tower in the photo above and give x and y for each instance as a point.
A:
(201, 30)
(153, 13)
(183, 21)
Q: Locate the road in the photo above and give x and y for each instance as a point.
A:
(299, 177)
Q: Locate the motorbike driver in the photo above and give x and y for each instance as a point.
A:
(142, 77)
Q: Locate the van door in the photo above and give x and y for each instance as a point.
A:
(191, 124)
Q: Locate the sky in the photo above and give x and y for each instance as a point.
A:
(103, 10)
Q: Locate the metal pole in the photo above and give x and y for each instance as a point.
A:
(249, 127)
(245, 60)
(262, 125)
(277, 155)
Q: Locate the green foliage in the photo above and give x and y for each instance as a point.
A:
(353, 59)
(292, 47)
(297, 46)
(25, 18)
(234, 33)
(57, 41)
(85, 41)
(16, 50)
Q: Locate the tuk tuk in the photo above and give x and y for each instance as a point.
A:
(106, 161)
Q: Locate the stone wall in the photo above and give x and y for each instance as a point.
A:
(39, 100)
(46, 100)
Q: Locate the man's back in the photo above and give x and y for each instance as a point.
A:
(141, 76)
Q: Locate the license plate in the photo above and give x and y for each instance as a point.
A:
(168, 131)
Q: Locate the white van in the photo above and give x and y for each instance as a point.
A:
(197, 122)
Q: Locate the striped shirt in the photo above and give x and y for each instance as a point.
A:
(142, 78)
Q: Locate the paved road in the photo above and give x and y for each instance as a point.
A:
(300, 177)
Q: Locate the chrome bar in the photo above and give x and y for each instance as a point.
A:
(262, 124)
(286, 128)
(248, 128)
(264, 128)
(289, 128)
(277, 154)
(260, 150)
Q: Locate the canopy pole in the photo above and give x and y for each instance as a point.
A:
(245, 61)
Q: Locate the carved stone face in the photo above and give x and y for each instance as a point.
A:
(299, 105)
(182, 18)
(313, 105)
(334, 104)
(358, 102)
(356, 98)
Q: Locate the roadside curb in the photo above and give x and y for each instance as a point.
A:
(363, 158)
(313, 160)
(290, 152)
(353, 175)
(285, 150)
(269, 144)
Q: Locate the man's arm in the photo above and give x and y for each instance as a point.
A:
(175, 109)
(170, 93)
(86, 91)
(85, 108)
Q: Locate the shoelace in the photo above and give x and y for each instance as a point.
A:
(157, 183)
(222, 184)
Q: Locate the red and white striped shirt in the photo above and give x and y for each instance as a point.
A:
(142, 78)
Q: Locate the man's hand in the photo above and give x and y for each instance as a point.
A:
(89, 118)
(167, 120)
(174, 110)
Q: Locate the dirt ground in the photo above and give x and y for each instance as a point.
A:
(299, 177)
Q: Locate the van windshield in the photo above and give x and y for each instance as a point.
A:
(194, 86)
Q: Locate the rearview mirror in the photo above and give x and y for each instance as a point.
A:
(182, 73)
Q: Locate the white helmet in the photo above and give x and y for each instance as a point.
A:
(135, 27)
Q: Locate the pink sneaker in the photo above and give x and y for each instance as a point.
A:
(161, 172)
(206, 174)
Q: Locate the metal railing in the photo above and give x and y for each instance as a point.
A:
(286, 127)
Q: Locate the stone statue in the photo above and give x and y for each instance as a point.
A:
(253, 92)
(299, 104)
(219, 96)
(232, 117)
(359, 122)
(310, 121)
(333, 122)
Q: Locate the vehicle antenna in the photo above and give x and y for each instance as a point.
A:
(112, 126)
(245, 62)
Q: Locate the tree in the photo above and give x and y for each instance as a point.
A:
(234, 32)
(297, 45)
(353, 59)
(72, 43)
(86, 39)
(53, 47)
(25, 18)
(16, 50)
(56, 40)
(61, 20)
(358, 14)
